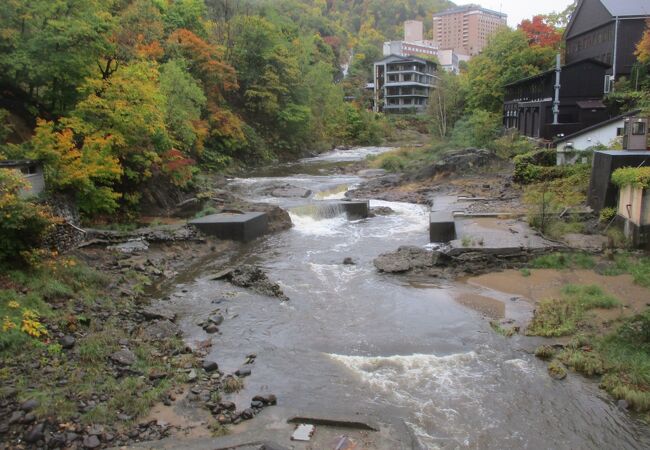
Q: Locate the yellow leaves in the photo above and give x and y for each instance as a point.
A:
(13, 304)
(7, 324)
(31, 325)
(643, 46)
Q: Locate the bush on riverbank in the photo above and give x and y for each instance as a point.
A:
(24, 223)
(563, 316)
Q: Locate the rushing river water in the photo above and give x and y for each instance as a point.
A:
(352, 340)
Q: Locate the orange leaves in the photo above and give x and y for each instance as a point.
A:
(643, 47)
(206, 62)
(540, 33)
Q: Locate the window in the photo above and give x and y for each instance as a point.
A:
(638, 128)
(619, 131)
(29, 170)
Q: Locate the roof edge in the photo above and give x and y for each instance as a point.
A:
(596, 125)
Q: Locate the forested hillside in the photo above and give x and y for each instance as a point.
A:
(116, 93)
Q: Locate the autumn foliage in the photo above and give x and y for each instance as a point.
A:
(540, 33)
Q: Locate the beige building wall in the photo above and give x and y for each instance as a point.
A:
(466, 29)
(413, 30)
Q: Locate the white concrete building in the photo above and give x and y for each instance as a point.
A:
(569, 148)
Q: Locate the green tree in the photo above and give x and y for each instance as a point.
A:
(508, 57)
(445, 103)
(184, 100)
(478, 129)
(48, 47)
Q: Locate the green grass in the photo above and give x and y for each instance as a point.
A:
(638, 267)
(525, 272)
(503, 331)
(556, 370)
(407, 158)
(563, 316)
(545, 352)
(232, 383)
(585, 361)
(562, 261)
(589, 296)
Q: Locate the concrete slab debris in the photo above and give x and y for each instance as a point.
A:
(303, 432)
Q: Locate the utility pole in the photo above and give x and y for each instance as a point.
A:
(556, 100)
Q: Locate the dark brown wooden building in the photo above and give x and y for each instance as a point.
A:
(606, 30)
(528, 103)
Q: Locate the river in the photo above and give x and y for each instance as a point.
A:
(352, 340)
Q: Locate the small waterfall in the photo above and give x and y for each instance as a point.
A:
(320, 210)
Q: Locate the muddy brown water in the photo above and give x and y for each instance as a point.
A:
(353, 341)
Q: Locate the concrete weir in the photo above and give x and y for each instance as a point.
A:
(442, 227)
(234, 226)
(353, 210)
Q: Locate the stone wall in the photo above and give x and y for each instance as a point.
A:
(66, 235)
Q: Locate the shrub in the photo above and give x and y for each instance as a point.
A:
(512, 144)
(24, 223)
(607, 214)
(478, 129)
(632, 176)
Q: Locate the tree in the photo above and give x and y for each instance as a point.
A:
(540, 33)
(48, 47)
(184, 101)
(24, 223)
(445, 103)
(643, 46)
(477, 129)
(506, 58)
(84, 167)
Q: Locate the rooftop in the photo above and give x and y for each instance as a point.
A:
(627, 8)
(8, 163)
(470, 7)
(552, 71)
(596, 126)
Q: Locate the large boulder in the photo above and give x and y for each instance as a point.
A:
(406, 259)
(458, 162)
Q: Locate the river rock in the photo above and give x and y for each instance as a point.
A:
(459, 162)
(161, 329)
(253, 277)
(290, 192)
(157, 313)
(267, 399)
(348, 261)
(404, 259)
(216, 319)
(28, 405)
(124, 357)
(131, 246)
(243, 372)
(211, 328)
(91, 441)
(371, 173)
(35, 433)
(67, 342)
(210, 366)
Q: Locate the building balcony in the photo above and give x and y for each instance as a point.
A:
(408, 83)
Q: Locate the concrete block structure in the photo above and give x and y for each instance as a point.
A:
(602, 193)
(466, 29)
(403, 84)
(633, 212)
(442, 227)
(232, 226)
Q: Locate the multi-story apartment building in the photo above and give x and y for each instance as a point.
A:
(403, 84)
(466, 29)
